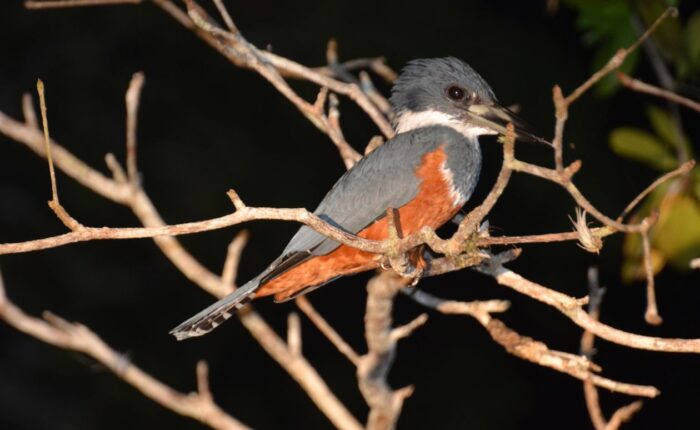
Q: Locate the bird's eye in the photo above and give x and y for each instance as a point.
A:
(456, 93)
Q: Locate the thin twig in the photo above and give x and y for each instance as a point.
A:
(623, 415)
(651, 315)
(28, 111)
(288, 68)
(681, 170)
(643, 87)
(305, 305)
(562, 104)
(347, 152)
(202, 372)
(226, 16)
(587, 349)
(470, 224)
(133, 96)
(54, 204)
(561, 113)
(233, 258)
(53, 4)
(47, 147)
(294, 334)
(617, 59)
(590, 391)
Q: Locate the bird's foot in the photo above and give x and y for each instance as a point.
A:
(403, 266)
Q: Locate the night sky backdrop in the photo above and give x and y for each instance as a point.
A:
(206, 126)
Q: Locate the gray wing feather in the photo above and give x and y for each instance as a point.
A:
(383, 179)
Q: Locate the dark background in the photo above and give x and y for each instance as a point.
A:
(206, 126)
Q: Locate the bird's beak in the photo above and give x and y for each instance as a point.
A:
(496, 117)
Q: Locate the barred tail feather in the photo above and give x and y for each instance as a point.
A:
(210, 318)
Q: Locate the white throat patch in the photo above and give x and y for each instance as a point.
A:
(407, 121)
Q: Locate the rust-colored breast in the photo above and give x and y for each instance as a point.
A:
(432, 206)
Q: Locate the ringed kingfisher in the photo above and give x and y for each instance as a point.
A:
(427, 172)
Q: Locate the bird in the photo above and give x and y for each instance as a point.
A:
(425, 173)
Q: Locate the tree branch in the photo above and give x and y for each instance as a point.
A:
(373, 368)
(58, 332)
(527, 348)
(573, 309)
(643, 87)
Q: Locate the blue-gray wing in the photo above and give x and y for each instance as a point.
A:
(386, 178)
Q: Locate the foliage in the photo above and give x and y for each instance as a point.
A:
(608, 26)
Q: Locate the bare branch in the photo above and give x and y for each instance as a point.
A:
(373, 368)
(47, 147)
(541, 238)
(460, 251)
(294, 334)
(226, 16)
(473, 220)
(233, 258)
(53, 4)
(374, 95)
(587, 349)
(573, 309)
(374, 143)
(681, 170)
(305, 305)
(77, 337)
(623, 415)
(140, 204)
(617, 59)
(133, 95)
(244, 54)
(643, 87)
(347, 152)
(202, 372)
(526, 348)
(406, 330)
(561, 114)
(54, 204)
(28, 111)
(651, 315)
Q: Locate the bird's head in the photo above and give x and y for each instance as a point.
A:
(446, 91)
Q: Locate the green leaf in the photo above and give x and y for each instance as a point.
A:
(642, 146)
(677, 232)
(663, 125)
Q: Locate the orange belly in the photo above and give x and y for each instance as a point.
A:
(432, 206)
